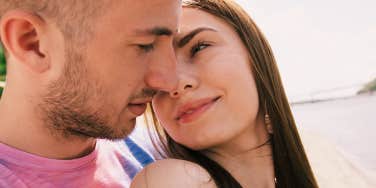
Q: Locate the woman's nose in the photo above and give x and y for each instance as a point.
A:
(186, 83)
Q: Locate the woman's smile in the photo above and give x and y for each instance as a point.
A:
(194, 110)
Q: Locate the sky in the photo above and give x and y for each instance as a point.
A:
(319, 44)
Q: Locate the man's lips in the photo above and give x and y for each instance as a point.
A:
(191, 110)
(138, 107)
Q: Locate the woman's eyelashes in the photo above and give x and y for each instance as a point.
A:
(200, 45)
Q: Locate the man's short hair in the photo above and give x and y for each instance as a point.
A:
(74, 18)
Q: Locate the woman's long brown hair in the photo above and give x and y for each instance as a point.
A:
(291, 166)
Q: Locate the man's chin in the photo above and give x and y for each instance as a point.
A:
(109, 133)
(124, 130)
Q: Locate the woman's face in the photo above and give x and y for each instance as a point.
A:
(216, 100)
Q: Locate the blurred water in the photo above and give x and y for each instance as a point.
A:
(349, 123)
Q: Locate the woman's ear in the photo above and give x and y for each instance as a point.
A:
(21, 33)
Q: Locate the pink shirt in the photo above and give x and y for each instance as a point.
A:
(111, 165)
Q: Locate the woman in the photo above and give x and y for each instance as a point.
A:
(229, 123)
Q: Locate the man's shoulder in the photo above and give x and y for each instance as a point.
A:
(8, 178)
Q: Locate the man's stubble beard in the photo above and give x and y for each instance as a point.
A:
(74, 104)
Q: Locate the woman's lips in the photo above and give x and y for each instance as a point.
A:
(193, 111)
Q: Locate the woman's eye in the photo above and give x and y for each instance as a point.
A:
(146, 47)
(198, 47)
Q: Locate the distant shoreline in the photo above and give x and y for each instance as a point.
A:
(302, 102)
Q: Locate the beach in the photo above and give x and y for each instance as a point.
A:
(337, 136)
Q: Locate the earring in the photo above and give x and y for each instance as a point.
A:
(268, 122)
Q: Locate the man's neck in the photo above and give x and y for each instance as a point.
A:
(21, 128)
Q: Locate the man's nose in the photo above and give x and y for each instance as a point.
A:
(162, 74)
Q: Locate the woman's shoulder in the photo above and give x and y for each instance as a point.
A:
(173, 173)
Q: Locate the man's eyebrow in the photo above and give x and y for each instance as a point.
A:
(157, 31)
(188, 37)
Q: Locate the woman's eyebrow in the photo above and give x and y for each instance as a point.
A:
(188, 37)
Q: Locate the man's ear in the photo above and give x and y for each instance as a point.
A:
(21, 34)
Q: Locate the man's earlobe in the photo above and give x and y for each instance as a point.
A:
(21, 33)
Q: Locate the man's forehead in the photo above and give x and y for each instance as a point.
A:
(152, 4)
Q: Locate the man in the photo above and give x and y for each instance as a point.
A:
(78, 75)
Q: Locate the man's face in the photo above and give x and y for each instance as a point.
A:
(105, 84)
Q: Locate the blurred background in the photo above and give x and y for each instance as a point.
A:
(326, 52)
(324, 48)
(2, 69)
